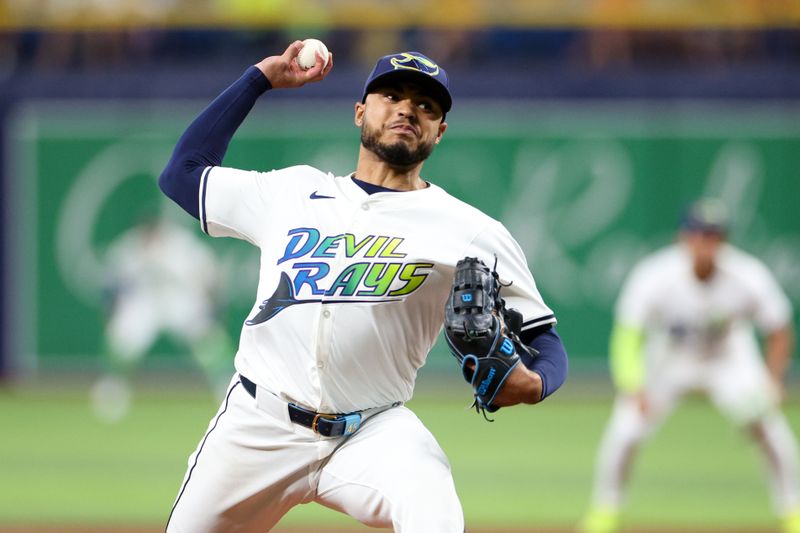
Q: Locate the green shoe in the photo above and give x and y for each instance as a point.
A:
(603, 520)
(791, 523)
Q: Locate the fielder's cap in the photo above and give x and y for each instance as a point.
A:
(412, 65)
(707, 215)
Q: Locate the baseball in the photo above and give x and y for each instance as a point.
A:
(307, 57)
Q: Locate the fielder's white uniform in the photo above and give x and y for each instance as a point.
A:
(163, 279)
(369, 277)
(699, 336)
(164, 282)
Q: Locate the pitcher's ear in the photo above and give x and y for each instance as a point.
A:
(358, 118)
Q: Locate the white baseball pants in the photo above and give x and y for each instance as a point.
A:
(254, 464)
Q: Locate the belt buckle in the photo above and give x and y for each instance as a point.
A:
(315, 421)
(350, 423)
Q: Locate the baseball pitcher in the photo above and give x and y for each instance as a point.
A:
(359, 274)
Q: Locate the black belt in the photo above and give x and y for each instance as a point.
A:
(326, 425)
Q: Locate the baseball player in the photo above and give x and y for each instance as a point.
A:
(685, 322)
(161, 280)
(355, 274)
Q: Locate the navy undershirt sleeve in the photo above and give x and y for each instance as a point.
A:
(551, 363)
(206, 140)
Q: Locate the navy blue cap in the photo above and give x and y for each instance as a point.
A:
(416, 66)
(707, 215)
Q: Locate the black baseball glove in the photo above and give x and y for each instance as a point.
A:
(481, 332)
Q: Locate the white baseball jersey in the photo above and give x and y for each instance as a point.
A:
(327, 329)
(683, 315)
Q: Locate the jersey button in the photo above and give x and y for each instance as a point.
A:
(320, 364)
(326, 313)
(365, 207)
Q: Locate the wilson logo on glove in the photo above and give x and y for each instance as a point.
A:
(486, 382)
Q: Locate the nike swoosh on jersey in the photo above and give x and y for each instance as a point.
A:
(315, 196)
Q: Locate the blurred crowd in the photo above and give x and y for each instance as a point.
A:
(78, 50)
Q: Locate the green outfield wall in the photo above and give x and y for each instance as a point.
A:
(586, 188)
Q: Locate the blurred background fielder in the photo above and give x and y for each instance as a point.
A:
(685, 322)
(161, 280)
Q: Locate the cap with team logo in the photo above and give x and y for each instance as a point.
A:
(411, 65)
(707, 215)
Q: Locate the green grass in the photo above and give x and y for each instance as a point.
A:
(538, 463)
(532, 466)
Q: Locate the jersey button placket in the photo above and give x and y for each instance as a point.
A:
(328, 313)
(324, 338)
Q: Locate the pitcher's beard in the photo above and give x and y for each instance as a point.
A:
(398, 154)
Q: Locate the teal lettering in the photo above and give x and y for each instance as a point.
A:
(293, 251)
(305, 277)
(327, 243)
(348, 280)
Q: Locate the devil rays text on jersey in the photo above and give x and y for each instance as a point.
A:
(315, 266)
